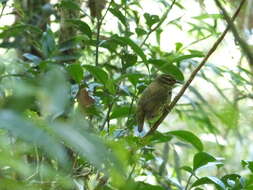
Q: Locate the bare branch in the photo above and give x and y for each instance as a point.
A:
(244, 46)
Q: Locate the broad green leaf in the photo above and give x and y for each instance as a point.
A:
(76, 72)
(35, 59)
(82, 26)
(101, 76)
(209, 180)
(48, 42)
(184, 57)
(188, 137)
(129, 59)
(88, 145)
(18, 29)
(201, 159)
(117, 13)
(140, 32)
(167, 68)
(2, 69)
(120, 111)
(134, 78)
(54, 93)
(178, 46)
(28, 131)
(66, 57)
(133, 45)
(248, 164)
(158, 137)
(151, 19)
(187, 168)
(110, 85)
(98, 73)
(69, 4)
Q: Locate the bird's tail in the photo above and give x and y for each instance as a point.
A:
(140, 115)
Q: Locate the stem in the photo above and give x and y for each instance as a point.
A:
(188, 181)
(244, 46)
(192, 76)
(99, 24)
(159, 24)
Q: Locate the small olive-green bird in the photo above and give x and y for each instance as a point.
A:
(154, 99)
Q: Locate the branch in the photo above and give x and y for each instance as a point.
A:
(244, 46)
(194, 73)
(159, 24)
(99, 24)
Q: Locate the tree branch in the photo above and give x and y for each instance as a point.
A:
(159, 24)
(99, 24)
(194, 73)
(244, 46)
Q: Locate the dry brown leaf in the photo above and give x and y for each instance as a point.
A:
(84, 99)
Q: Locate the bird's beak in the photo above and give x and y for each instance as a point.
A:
(179, 81)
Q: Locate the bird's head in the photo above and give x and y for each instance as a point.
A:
(167, 80)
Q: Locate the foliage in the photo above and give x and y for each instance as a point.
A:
(67, 106)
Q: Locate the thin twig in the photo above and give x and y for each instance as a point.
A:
(99, 24)
(159, 24)
(107, 117)
(188, 181)
(244, 46)
(194, 73)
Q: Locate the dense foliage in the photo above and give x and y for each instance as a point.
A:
(71, 72)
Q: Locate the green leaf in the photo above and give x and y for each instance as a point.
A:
(110, 85)
(158, 137)
(140, 32)
(82, 26)
(133, 45)
(146, 186)
(151, 19)
(201, 159)
(188, 137)
(98, 73)
(28, 131)
(188, 169)
(248, 164)
(18, 29)
(54, 93)
(209, 180)
(35, 59)
(134, 78)
(129, 59)
(69, 4)
(184, 57)
(48, 42)
(167, 68)
(178, 46)
(76, 72)
(206, 16)
(120, 111)
(88, 145)
(2, 69)
(101, 76)
(117, 13)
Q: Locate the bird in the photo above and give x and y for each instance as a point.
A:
(154, 99)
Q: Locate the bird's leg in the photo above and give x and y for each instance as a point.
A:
(166, 108)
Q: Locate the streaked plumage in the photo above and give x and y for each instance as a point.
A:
(154, 98)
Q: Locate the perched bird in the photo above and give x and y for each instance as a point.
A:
(154, 99)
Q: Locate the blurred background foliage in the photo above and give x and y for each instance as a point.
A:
(71, 72)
